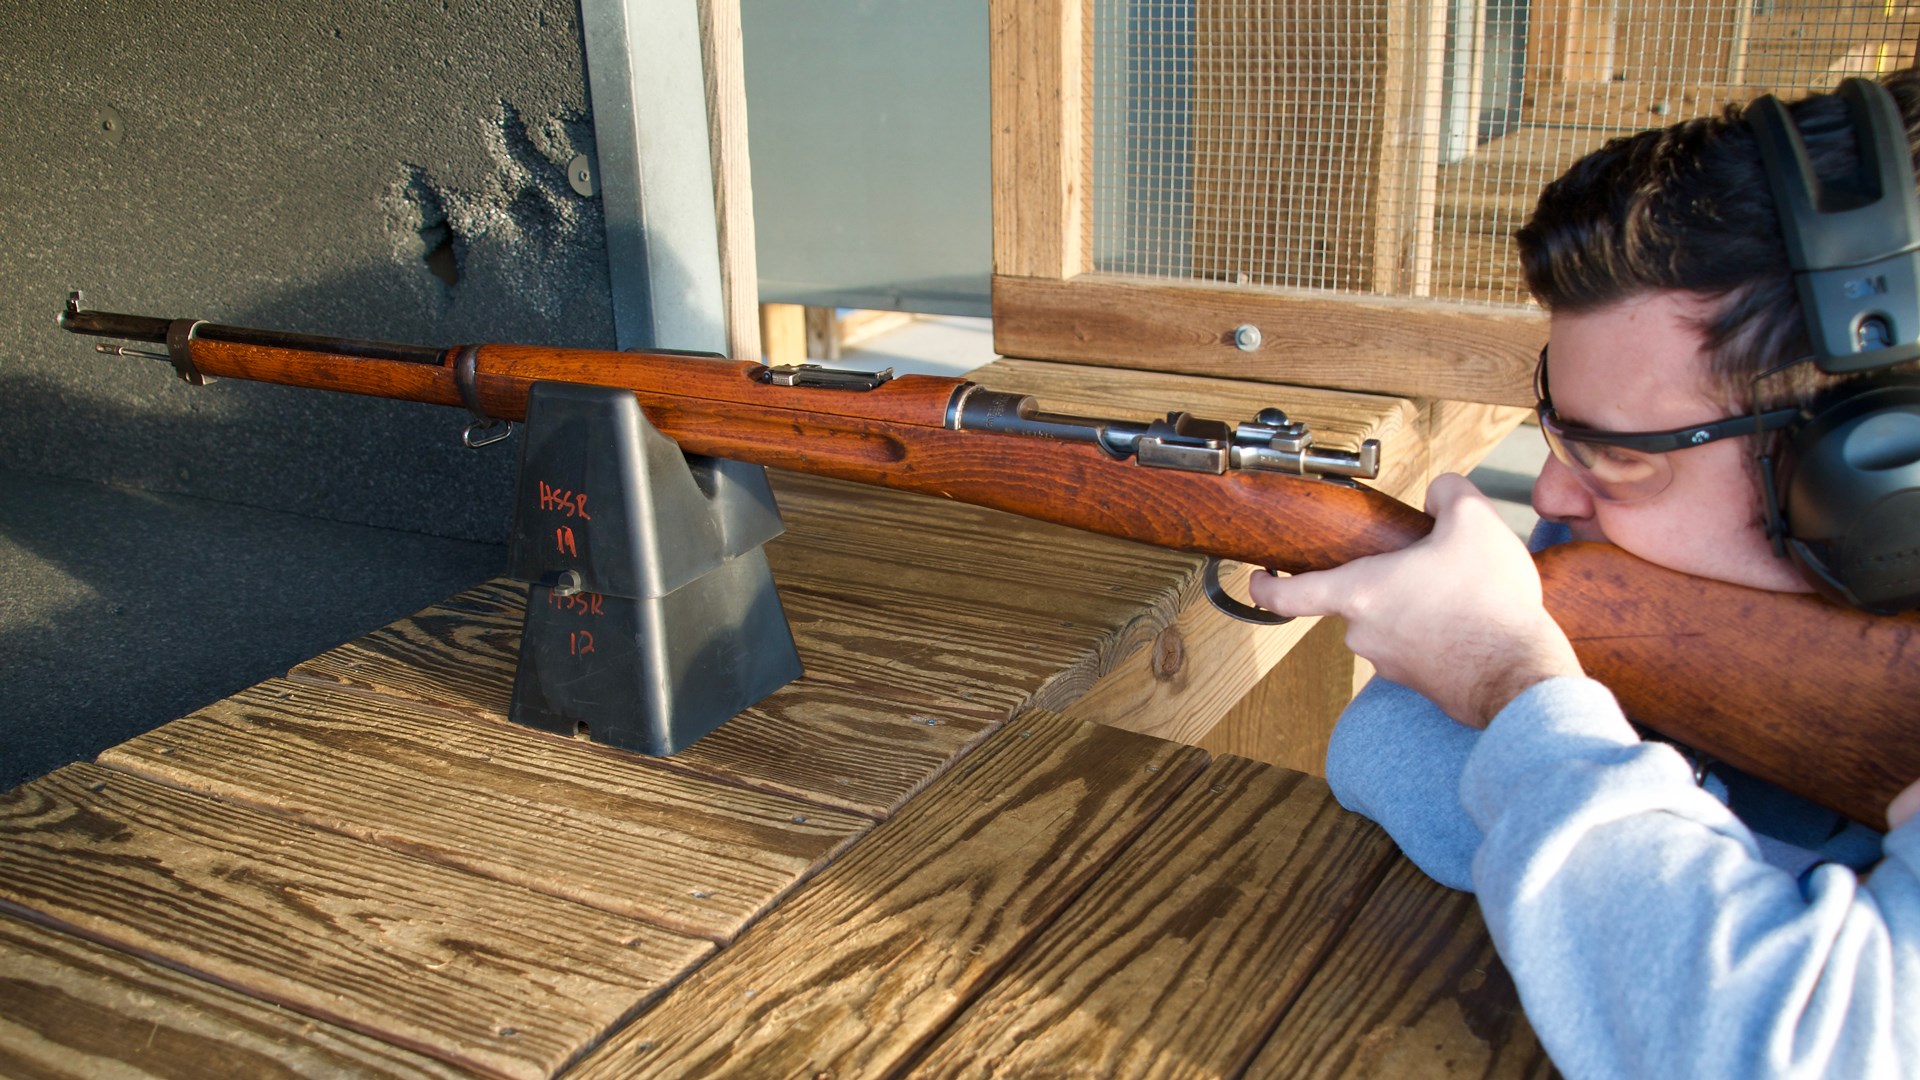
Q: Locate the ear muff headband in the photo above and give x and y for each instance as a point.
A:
(1851, 243)
(1847, 503)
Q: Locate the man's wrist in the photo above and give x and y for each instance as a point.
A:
(1522, 671)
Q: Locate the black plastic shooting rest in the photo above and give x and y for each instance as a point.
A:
(651, 617)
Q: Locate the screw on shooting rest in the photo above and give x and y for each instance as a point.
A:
(1246, 337)
(108, 123)
(580, 175)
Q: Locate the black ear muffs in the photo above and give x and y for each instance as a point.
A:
(1843, 495)
(1849, 492)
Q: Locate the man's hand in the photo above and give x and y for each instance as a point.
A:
(1903, 806)
(1456, 616)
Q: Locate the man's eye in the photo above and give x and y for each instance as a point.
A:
(1620, 459)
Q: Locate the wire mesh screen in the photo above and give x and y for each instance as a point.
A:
(1394, 147)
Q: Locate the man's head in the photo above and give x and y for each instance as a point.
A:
(1662, 261)
(1688, 209)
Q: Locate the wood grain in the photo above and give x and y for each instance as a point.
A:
(1036, 66)
(489, 976)
(1412, 990)
(782, 330)
(1190, 672)
(697, 857)
(1801, 691)
(1460, 434)
(1410, 348)
(1179, 958)
(832, 745)
(723, 70)
(1288, 718)
(887, 944)
(72, 1010)
(858, 746)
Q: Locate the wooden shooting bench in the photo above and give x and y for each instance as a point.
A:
(921, 857)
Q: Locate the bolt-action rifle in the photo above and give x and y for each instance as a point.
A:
(1818, 698)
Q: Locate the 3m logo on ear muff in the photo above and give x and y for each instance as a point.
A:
(1861, 288)
(1844, 497)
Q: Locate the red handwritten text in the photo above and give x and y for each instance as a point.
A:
(572, 504)
(583, 603)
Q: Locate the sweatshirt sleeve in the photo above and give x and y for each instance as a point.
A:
(1396, 759)
(1646, 933)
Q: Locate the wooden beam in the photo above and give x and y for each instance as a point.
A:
(732, 179)
(1037, 58)
(783, 333)
(1573, 41)
(1410, 121)
(1411, 348)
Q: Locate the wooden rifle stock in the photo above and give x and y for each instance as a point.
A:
(1805, 693)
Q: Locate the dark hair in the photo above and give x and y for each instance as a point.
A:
(1688, 208)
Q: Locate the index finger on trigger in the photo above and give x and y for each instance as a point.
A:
(1301, 594)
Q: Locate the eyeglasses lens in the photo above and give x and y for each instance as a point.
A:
(1611, 473)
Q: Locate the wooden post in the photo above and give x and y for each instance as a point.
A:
(783, 333)
(1038, 70)
(1572, 41)
(732, 179)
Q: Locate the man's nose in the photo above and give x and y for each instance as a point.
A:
(1558, 496)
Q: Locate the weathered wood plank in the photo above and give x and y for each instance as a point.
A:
(1287, 719)
(1190, 672)
(930, 595)
(888, 943)
(1180, 957)
(1027, 613)
(487, 975)
(72, 1010)
(1411, 348)
(616, 831)
(457, 656)
(1413, 989)
(853, 747)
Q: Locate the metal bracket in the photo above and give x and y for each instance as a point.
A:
(179, 337)
(482, 430)
(824, 378)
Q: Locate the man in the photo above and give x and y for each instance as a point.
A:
(1649, 929)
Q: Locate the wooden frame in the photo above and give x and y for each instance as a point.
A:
(1047, 306)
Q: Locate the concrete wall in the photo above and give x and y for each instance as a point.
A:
(290, 166)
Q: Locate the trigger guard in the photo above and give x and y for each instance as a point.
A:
(1210, 583)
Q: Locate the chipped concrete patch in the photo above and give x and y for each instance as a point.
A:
(524, 205)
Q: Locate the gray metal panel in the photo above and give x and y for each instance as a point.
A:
(872, 183)
(645, 75)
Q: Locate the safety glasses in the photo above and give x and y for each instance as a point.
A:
(1627, 466)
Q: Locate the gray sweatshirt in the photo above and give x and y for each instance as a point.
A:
(1649, 931)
